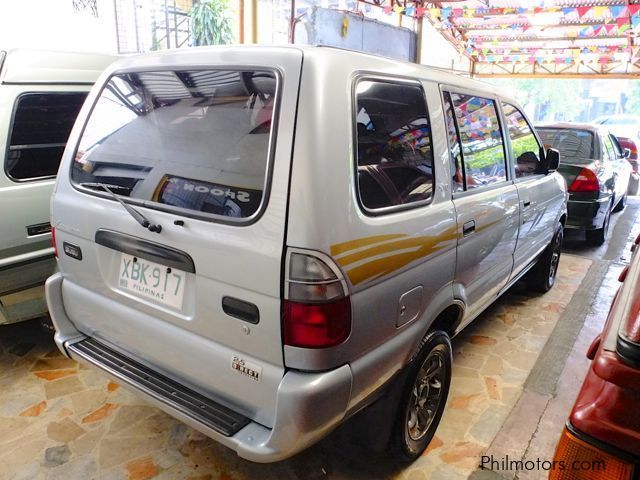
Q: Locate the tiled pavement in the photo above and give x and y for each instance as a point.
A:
(59, 420)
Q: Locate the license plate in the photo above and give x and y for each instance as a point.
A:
(151, 280)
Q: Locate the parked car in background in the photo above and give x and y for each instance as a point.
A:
(632, 158)
(596, 173)
(260, 264)
(624, 125)
(603, 429)
(40, 96)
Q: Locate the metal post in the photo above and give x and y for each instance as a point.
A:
(292, 22)
(166, 24)
(254, 21)
(115, 11)
(135, 23)
(175, 23)
(241, 21)
(419, 32)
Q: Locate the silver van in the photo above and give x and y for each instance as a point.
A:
(264, 241)
(40, 96)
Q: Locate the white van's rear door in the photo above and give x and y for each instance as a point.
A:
(199, 144)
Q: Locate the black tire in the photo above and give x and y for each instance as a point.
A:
(598, 236)
(621, 204)
(542, 276)
(424, 394)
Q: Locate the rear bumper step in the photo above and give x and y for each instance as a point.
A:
(203, 410)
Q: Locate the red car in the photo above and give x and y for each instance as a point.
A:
(634, 181)
(633, 151)
(602, 437)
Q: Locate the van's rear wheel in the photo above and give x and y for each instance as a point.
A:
(543, 275)
(423, 398)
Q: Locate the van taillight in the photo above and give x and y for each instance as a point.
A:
(316, 309)
(53, 241)
(586, 181)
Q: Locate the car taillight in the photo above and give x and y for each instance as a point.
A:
(586, 181)
(53, 241)
(578, 460)
(316, 309)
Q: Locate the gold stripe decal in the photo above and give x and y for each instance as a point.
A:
(386, 256)
(339, 248)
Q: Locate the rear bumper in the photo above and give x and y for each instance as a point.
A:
(587, 215)
(308, 406)
(21, 273)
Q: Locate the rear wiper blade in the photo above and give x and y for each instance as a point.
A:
(101, 186)
(140, 218)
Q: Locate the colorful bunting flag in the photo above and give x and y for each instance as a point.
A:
(582, 11)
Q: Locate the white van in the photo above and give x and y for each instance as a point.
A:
(40, 96)
(263, 241)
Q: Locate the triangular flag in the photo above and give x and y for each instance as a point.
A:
(599, 12)
(633, 9)
(582, 11)
(617, 11)
(610, 27)
(622, 21)
(567, 10)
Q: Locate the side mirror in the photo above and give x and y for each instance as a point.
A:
(552, 160)
(626, 153)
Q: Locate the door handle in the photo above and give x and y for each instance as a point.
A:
(468, 228)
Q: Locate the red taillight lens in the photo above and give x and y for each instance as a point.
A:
(317, 325)
(316, 310)
(53, 241)
(586, 181)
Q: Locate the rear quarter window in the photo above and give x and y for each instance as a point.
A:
(194, 141)
(394, 147)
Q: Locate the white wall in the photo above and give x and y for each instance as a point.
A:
(53, 25)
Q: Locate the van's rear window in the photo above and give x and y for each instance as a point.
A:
(195, 140)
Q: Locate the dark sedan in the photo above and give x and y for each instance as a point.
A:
(596, 172)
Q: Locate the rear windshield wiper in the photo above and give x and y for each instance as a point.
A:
(140, 218)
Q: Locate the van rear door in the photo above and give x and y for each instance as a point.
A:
(202, 153)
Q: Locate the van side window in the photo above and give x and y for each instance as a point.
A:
(455, 150)
(482, 146)
(395, 157)
(525, 146)
(40, 128)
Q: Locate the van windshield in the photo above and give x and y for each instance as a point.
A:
(195, 140)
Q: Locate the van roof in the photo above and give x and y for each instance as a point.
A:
(47, 67)
(178, 57)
